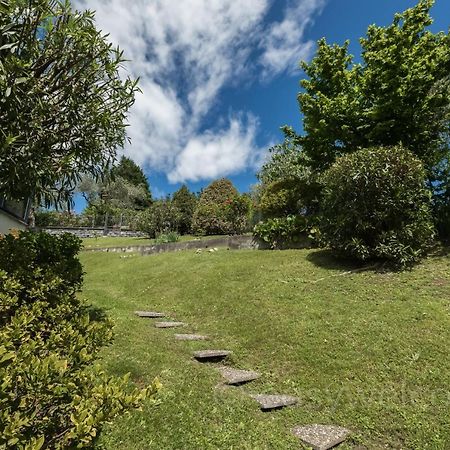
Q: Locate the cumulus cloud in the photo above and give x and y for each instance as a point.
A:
(213, 154)
(185, 52)
(283, 44)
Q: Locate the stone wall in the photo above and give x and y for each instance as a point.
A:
(93, 232)
(231, 242)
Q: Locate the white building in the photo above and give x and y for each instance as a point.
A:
(13, 215)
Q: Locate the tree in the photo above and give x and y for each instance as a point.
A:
(221, 210)
(399, 94)
(116, 198)
(375, 205)
(186, 202)
(161, 217)
(128, 170)
(63, 105)
(288, 187)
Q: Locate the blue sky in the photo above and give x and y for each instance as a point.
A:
(219, 77)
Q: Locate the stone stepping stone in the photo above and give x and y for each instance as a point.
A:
(321, 437)
(269, 402)
(169, 324)
(211, 355)
(150, 314)
(236, 377)
(190, 337)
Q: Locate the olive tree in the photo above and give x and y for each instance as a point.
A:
(63, 104)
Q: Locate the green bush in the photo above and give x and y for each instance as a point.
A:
(443, 222)
(160, 218)
(167, 238)
(186, 202)
(376, 205)
(52, 395)
(46, 218)
(280, 198)
(282, 232)
(221, 210)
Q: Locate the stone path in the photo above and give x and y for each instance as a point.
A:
(269, 402)
(149, 314)
(319, 437)
(191, 337)
(237, 377)
(211, 355)
(169, 324)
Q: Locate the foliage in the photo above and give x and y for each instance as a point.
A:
(399, 94)
(376, 205)
(112, 201)
(63, 104)
(282, 232)
(186, 202)
(23, 253)
(442, 216)
(280, 199)
(441, 204)
(288, 186)
(286, 160)
(166, 238)
(112, 194)
(221, 210)
(129, 171)
(51, 395)
(160, 218)
(50, 218)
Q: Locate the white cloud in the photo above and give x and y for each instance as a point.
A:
(283, 45)
(185, 52)
(212, 155)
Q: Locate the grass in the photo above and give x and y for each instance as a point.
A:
(112, 241)
(365, 350)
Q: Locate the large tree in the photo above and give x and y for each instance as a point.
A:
(221, 210)
(63, 105)
(399, 93)
(131, 172)
(185, 201)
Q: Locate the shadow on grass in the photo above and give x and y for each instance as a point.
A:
(441, 250)
(327, 259)
(96, 314)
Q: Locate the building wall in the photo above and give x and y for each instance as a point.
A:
(8, 222)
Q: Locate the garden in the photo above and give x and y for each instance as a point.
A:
(334, 335)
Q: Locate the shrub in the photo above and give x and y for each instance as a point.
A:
(283, 232)
(51, 395)
(280, 198)
(376, 205)
(162, 217)
(443, 222)
(221, 210)
(167, 238)
(186, 202)
(47, 218)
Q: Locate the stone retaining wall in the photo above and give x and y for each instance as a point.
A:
(93, 232)
(231, 242)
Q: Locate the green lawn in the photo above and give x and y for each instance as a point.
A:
(110, 241)
(365, 350)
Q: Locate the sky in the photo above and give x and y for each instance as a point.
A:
(220, 77)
